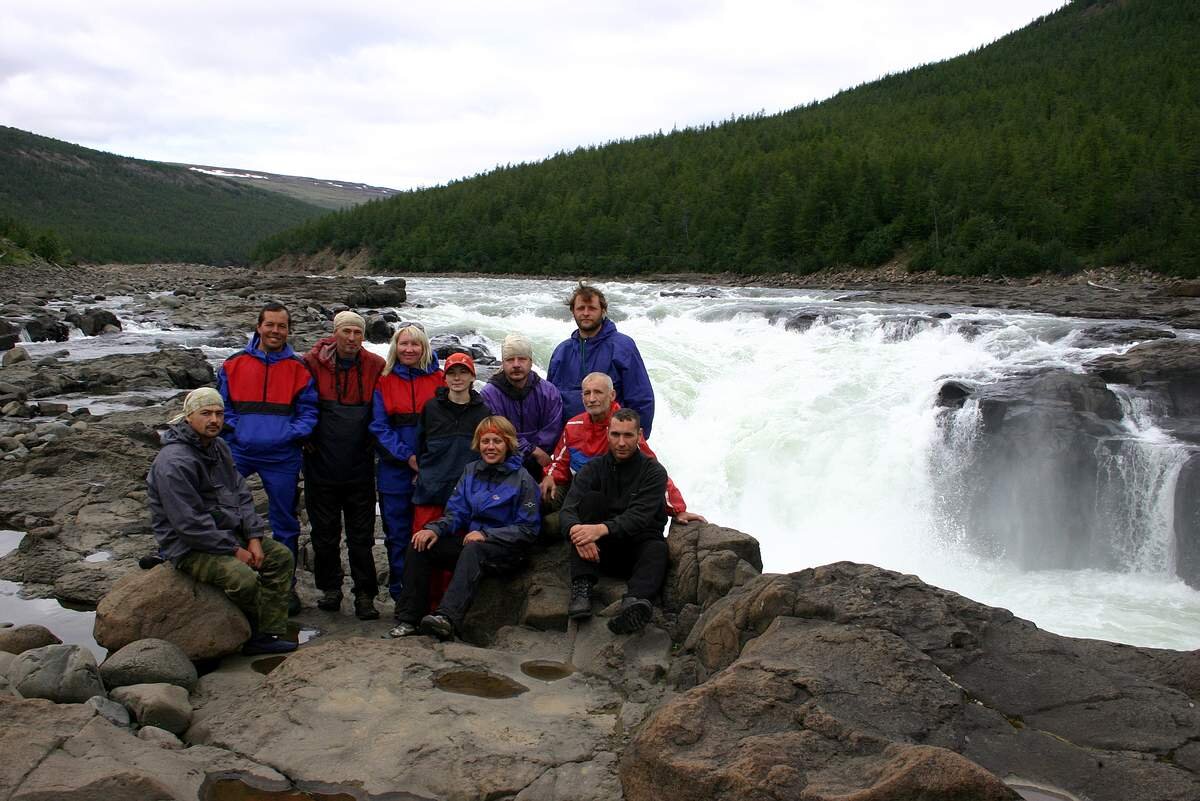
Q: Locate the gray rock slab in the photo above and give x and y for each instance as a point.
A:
(110, 710)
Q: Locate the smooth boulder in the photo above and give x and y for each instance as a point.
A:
(149, 661)
(65, 674)
(20, 639)
(166, 604)
(163, 705)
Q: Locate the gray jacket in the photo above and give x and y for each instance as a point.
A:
(198, 500)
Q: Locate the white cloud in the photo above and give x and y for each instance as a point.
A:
(421, 93)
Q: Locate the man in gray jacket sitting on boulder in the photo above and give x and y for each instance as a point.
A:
(204, 520)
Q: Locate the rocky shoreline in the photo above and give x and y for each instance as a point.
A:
(845, 681)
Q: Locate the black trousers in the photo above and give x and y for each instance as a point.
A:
(642, 559)
(327, 504)
(470, 563)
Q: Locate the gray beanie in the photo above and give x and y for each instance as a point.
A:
(516, 345)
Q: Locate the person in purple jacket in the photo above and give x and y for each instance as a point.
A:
(596, 346)
(533, 405)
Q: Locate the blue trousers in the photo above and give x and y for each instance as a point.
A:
(280, 481)
(396, 515)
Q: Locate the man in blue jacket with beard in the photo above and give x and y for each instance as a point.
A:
(270, 409)
(597, 347)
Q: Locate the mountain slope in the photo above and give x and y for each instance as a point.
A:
(317, 191)
(111, 208)
(1073, 141)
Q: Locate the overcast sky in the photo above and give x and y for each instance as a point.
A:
(414, 94)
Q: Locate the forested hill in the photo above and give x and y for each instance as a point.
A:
(1072, 142)
(85, 204)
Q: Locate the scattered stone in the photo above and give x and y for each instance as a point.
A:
(149, 661)
(378, 331)
(160, 737)
(162, 705)
(65, 674)
(110, 710)
(94, 321)
(19, 639)
(166, 604)
(374, 295)
(13, 356)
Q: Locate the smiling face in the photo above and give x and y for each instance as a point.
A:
(408, 350)
(458, 378)
(348, 340)
(207, 422)
(272, 331)
(588, 315)
(492, 448)
(597, 398)
(623, 436)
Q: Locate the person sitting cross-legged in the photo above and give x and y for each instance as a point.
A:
(490, 522)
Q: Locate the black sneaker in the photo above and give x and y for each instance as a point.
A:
(331, 601)
(267, 644)
(581, 599)
(437, 626)
(364, 607)
(634, 615)
(294, 606)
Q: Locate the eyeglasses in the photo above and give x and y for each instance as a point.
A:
(400, 326)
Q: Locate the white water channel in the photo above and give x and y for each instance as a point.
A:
(825, 443)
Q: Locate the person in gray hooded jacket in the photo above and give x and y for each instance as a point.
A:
(204, 521)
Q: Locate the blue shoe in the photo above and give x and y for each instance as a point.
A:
(267, 644)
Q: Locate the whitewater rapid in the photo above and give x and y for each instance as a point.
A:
(824, 443)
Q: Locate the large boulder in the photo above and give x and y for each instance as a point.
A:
(374, 296)
(707, 561)
(163, 705)
(149, 661)
(19, 639)
(841, 670)
(65, 674)
(94, 321)
(166, 604)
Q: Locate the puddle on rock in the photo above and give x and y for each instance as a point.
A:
(265, 666)
(72, 626)
(238, 790)
(479, 683)
(547, 669)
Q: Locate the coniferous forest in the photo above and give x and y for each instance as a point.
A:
(1073, 142)
(63, 201)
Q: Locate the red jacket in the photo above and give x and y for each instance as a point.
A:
(583, 439)
(341, 449)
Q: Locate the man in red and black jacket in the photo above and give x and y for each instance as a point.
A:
(270, 409)
(339, 465)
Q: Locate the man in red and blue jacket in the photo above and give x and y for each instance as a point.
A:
(270, 409)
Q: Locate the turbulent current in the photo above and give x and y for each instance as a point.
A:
(821, 437)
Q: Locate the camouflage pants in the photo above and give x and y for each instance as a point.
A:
(261, 594)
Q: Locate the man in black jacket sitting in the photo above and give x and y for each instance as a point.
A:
(614, 515)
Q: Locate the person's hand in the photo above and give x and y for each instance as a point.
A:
(423, 540)
(412, 463)
(542, 457)
(256, 553)
(474, 536)
(244, 556)
(585, 533)
(684, 518)
(548, 486)
(588, 552)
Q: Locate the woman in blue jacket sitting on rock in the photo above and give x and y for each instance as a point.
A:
(491, 520)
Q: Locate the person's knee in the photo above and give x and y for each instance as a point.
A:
(238, 579)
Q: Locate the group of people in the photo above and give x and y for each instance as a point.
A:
(466, 481)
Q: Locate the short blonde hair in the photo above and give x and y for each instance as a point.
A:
(414, 332)
(496, 425)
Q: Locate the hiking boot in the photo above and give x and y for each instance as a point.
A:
(331, 601)
(634, 615)
(401, 629)
(294, 605)
(364, 606)
(581, 599)
(150, 561)
(437, 626)
(267, 644)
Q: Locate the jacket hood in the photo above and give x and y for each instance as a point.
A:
(443, 394)
(252, 347)
(184, 434)
(501, 382)
(607, 329)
